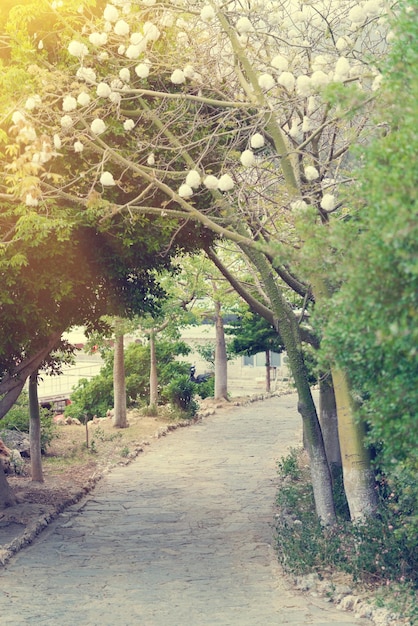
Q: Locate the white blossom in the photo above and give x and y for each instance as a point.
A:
(357, 14)
(103, 56)
(40, 45)
(342, 69)
(115, 98)
(69, 104)
(98, 39)
(193, 179)
(17, 117)
(343, 43)
(149, 3)
(287, 80)
(111, 14)
(311, 173)
(328, 202)
(97, 126)
(103, 90)
(298, 205)
(151, 159)
(185, 191)
(178, 77)
(77, 49)
(207, 14)
(319, 79)
(121, 49)
(188, 71)
(303, 86)
(151, 31)
(211, 182)
(306, 124)
(32, 102)
(66, 121)
(257, 141)
(266, 81)
(136, 38)
(247, 158)
(295, 128)
(244, 25)
(107, 27)
(121, 28)
(31, 200)
(133, 52)
(83, 99)
(57, 142)
(142, 70)
(87, 74)
(107, 179)
(125, 75)
(279, 62)
(78, 146)
(27, 134)
(128, 124)
(225, 183)
(126, 8)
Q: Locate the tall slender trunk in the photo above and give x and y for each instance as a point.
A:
(221, 362)
(359, 481)
(119, 385)
(329, 424)
(35, 430)
(289, 331)
(153, 375)
(268, 372)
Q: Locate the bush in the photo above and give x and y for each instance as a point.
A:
(95, 396)
(180, 392)
(375, 550)
(18, 419)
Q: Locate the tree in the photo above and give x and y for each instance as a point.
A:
(261, 106)
(252, 334)
(372, 328)
(35, 430)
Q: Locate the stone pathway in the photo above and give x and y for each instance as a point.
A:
(180, 537)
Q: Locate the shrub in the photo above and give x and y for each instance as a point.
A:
(375, 550)
(18, 419)
(180, 392)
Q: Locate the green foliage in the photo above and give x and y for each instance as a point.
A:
(375, 550)
(253, 334)
(180, 393)
(95, 396)
(372, 327)
(206, 389)
(18, 419)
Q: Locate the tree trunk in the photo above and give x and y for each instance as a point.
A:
(359, 481)
(153, 375)
(35, 430)
(119, 386)
(289, 332)
(268, 372)
(221, 362)
(7, 497)
(329, 424)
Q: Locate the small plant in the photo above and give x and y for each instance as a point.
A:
(288, 466)
(124, 452)
(180, 393)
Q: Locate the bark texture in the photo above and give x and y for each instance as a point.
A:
(329, 424)
(359, 482)
(153, 375)
(35, 430)
(119, 386)
(221, 363)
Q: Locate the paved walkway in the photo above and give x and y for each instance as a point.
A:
(181, 537)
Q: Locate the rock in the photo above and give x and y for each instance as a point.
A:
(16, 440)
